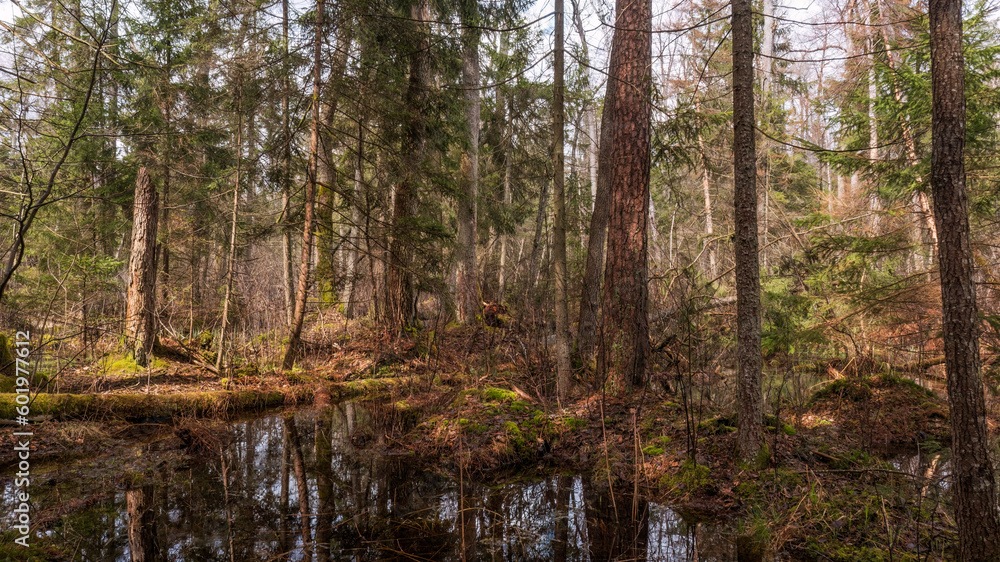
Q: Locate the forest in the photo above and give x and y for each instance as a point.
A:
(508, 279)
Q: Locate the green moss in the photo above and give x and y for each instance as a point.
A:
(852, 389)
(574, 423)
(718, 425)
(652, 450)
(8, 384)
(374, 387)
(690, 478)
(7, 364)
(747, 490)
(462, 397)
(512, 429)
(126, 365)
(9, 550)
(854, 459)
(142, 405)
(910, 385)
(246, 371)
(520, 406)
(205, 339)
(498, 394)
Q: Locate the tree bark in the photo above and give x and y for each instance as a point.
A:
(354, 271)
(623, 350)
(564, 367)
(748, 321)
(140, 304)
(303, 289)
(469, 301)
(231, 260)
(974, 483)
(288, 278)
(400, 305)
(597, 237)
(705, 187)
(508, 165)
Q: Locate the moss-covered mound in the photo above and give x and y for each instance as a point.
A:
(882, 410)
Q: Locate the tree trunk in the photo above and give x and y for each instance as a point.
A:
(231, 260)
(354, 271)
(598, 233)
(469, 301)
(286, 175)
(623, 350)
(140, 304)
(705, 187)
(303, 288)
(328, 249)
(767, 47)
(589, 110)
(401, 306)
(536, 245)
(564, 368)
(748, 322)
(508, 164)
(167, 153)
(974, 484)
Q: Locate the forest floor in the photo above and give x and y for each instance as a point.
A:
(854, 468)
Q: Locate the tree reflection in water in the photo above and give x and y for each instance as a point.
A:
(317, 485)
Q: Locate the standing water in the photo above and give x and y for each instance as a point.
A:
(311, 485)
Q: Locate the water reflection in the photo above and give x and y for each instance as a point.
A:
(313, 486)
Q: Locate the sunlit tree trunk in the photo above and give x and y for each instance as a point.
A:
(974, 479)
(623, 348)
(140, 303)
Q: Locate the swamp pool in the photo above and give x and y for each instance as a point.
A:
(319, 484)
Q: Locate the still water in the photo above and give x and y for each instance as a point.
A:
(319, 485)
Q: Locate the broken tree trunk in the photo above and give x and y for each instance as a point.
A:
(140, 302)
